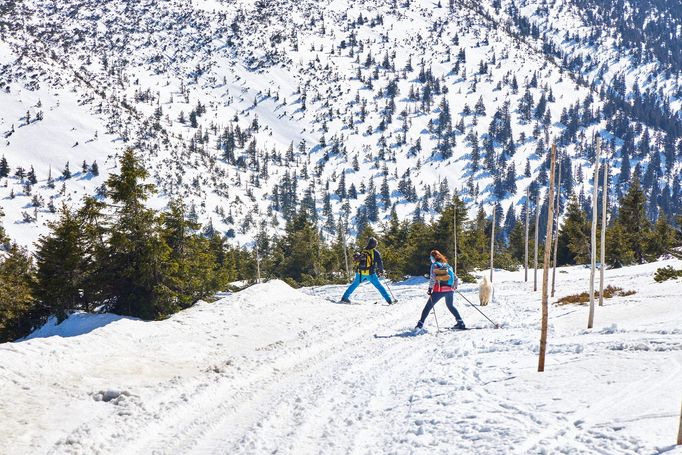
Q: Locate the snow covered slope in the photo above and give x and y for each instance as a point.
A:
(230, 101)
(275, 369)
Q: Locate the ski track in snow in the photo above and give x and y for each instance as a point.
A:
(273, 370)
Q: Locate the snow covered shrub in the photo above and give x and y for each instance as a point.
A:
(584, 297)
(666, 273)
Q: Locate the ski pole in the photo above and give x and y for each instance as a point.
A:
(389, 290)
(497, 326)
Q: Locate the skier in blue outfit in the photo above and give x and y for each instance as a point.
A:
(368, 267)
(442, 283)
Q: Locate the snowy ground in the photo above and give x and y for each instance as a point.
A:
(272, 369)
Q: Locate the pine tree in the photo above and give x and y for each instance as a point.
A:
(662, 237)
(191, 267)
(574, 235)
(393, 239)
(50, 180)
(385, 194)
(371, 203)
(62, 266)
(416, 251)
(309, 206)
(31, 176)
(509, 221)
(19, 313)
(298, 251)
(225, 270)
(618, 252)
(479, 108)
(94, 169)
(136, 268)
(517, 242)
(66, 173)
(633, 218)
(341, 189)
(4, 167)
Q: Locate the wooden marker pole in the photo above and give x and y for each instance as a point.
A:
(545, 272)
(537, 239)
(492, 246)
(525, 253)
(593, 255)
(556, 237)
(602, 255)
(454, 228)
(679, 432)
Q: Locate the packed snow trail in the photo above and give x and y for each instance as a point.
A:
(273, 369)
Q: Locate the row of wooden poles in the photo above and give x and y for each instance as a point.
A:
(548, 247)
(548, 242)
(553, 236)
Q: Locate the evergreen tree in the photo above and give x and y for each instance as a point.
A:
(50, 180)
(138, 256)
(191, 264)
(298, 251)
(225, 270)
(574, 236)
(662, 237)
(385, 194)
(509, 221)
(517, 241)
(31, 176)
(4, 167)
(444, 235)
(341, 189)
(309, 206)
(371, 203)
(19, 313)
(63, 266)
(633, 219)
(618, 252)
(476, 242)
(352, 192)
(393, 239)
(420, 242)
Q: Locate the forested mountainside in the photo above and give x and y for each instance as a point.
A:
(251, 110)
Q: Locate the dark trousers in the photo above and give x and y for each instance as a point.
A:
(449, 301)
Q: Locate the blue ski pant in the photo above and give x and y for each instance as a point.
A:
(374, 279)
(449, 301)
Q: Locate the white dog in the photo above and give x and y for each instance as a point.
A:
(485, 291)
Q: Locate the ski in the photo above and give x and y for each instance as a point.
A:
(352, 302)
(454, 329)
(405, 334)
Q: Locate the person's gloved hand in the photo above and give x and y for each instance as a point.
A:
(429, 291)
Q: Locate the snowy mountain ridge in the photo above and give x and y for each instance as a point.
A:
(247, 109)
